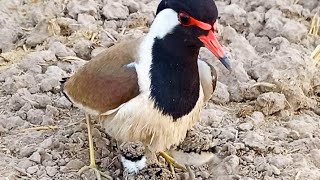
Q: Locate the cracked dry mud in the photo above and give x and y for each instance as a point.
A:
(264, 116)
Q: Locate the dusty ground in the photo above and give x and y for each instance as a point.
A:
(264, 116)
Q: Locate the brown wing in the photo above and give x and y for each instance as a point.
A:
(106, 82)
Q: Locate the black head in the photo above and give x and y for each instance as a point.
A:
(197, 20)
(203, 10)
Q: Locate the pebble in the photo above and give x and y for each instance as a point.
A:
(270, 103)
(246, 126)
(47, 121)
(35, 157)
(47, 143)
(254, 140)
(26, 151)
(260, 163)
(115, 10)
(51, 111)
(257, 119)
(34, 116)
(315, 155)
(14, 122)
(25, 163)
(42, 99)
(63, 102)
(32, 169)
(75, 164)
(61, 50)
(51, 171)
(294, 135)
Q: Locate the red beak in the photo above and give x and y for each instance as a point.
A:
(212, 43)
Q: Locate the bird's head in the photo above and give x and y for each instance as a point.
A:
(190, 21)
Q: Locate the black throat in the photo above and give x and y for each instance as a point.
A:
(175, 83)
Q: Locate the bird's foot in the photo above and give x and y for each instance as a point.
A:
(172, 163)
(97, 172)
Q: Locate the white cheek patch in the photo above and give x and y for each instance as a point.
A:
(164, 23)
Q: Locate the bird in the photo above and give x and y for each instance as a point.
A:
(152, 89)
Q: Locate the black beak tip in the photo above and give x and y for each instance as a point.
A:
(226, 62)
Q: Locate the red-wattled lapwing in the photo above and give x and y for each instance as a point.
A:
(152, 89)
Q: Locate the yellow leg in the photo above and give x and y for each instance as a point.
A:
(92, 165)
(172, 163)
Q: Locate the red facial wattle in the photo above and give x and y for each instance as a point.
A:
(210, 41)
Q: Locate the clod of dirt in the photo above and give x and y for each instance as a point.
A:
(83, 48)
(61, 50)
(41, 33)
(221, 94)
(154, 172)
(254, 140)
(304, 124)
(196, 141)
(115, 10)
(132, 150)
(294, 31)
(132, 5)
(9, 32)
(76, 7)
(270, 103)
(315, 155)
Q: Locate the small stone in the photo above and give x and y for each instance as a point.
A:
(132, 6)
(26, 151)
(275, 170)
(294, 135)
(231, 163)
(32, 169)
(86, 20)
(47, 143)
(42, 99)
(51, 111)
(64, 169)
(25, 163)
(248, 158)
(115, 10)
(83, 49)
(61, 50)
(270, 103)
(48, 84)
(2, 129)
(221, 94)
(260, 163)
(281, 161)
(51, 171)
(47, 121)
(34, 116)
(75, 164)
(63, 102)
(294, 31)
(14, 122)
(35, 157)
(257, 118)
(204, 175)
(315, 157)
(254, 140)
(245, 126)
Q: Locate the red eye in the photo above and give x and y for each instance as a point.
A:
(184, 19)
